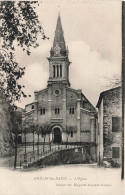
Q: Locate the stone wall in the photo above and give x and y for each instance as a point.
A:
(111, 108)
(85, 121)
(71, 98)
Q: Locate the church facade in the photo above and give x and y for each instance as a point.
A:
(60, 105)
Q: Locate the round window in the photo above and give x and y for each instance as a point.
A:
(57, 92)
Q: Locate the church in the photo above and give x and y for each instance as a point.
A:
(60, 105)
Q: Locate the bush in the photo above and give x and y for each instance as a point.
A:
(114, 164)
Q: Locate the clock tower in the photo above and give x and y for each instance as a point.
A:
(58, 60)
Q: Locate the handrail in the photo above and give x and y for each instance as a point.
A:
(32, 156)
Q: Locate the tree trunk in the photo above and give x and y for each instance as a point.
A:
(25, 142)
(67, 140)
(49, 142)
(15, 160)
(33, 142)
(38, 144)
(25, 148)
(44, 144)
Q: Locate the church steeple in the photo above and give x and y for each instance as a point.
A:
(59, 38)
(58, 60)
(59, 47)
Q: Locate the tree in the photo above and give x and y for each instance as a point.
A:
(16, 119)
(44, 130)
(27, 122)
(43, 134)
(114, 81)
(37, 131)
(20, 26)
(33, 129)
(69, 130)
(49, 131)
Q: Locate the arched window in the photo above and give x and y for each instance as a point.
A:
(54, 71)
(71, 133)
(32, 107)
(57, 111)
(42, 111)
(60, 70)
(71, 110)
(57, 71)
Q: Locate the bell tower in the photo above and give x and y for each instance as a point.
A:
(58, 60)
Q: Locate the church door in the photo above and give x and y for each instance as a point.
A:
(57, 135)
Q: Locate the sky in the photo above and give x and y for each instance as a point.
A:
(92, 32)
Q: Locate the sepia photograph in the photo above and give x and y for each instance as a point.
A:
(62, 86)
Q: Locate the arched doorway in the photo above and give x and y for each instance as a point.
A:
(19, 139)
(57, 135)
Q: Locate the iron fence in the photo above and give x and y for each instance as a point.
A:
(33, 156)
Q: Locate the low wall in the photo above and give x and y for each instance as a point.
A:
(83, 155)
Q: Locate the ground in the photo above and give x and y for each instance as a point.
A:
(62, 180)
(9, 160)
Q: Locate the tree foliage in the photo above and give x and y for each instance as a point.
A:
(114, 81)
(28, 125)
(69, 130)
(16, 120)
(19, 26)
(45, 129)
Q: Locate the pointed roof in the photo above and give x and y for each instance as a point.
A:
(59, 25)
(59, 38)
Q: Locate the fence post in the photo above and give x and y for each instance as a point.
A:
(33, 141)
(38, 142)
(20, 161)
(15, 160)
(25, 141)
(25, 159)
